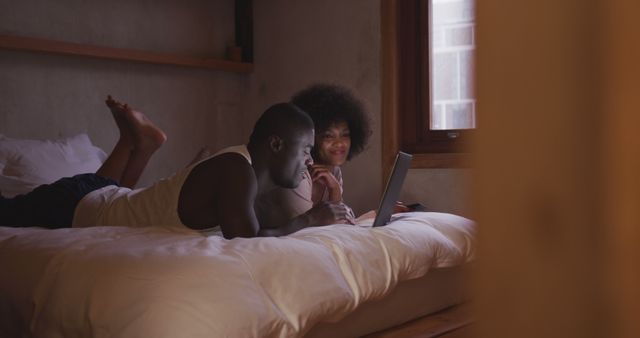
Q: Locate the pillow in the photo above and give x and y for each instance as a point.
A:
(26, 164)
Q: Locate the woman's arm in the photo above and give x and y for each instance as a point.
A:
(329, 179)
(324, 179)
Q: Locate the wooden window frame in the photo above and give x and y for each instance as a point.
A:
(406, 104)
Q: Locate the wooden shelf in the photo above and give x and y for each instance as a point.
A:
(76, 49)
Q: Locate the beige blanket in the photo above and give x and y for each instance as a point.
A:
(157, 282)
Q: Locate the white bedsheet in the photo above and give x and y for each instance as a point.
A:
(155, 282)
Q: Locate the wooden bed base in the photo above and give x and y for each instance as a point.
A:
(452, 322)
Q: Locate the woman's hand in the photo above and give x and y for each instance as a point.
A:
(401, 207)
(323, 174)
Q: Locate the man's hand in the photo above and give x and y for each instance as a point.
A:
(325, 213)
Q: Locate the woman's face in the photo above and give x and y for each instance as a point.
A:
(333, 144)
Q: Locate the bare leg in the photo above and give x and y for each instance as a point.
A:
(147, 138)
(139, 139)
(116, 163)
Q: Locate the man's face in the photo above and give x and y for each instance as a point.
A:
(291, 161)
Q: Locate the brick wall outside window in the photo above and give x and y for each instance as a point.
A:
(453, 45)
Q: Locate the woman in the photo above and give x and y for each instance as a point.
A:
(342, 131)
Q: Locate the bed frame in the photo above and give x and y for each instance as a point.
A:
(430, 306)
(452, 322)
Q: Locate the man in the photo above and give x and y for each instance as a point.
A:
(218, 191)
(277, 155)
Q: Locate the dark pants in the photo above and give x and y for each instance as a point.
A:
(50, 205)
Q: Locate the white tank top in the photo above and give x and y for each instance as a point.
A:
(156, 205)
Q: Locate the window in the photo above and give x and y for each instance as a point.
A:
(452, 50)
(428, 94)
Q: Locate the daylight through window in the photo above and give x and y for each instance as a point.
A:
(452, 65)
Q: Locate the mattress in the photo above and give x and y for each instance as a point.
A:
(159, 282)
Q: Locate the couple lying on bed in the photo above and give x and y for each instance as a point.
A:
(237, 189)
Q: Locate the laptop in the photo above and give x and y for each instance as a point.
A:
(392, 190)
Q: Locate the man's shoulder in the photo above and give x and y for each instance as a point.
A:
(232, 164)
(226, 175)
(234, 156)
(238, 150)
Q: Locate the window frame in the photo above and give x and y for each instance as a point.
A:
(406, 102)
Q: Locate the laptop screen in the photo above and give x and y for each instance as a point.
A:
(392, 190)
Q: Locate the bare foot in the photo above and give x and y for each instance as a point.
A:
(145, 135)
(117, 111)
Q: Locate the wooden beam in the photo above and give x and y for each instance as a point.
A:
(244, 28)
(76, 49)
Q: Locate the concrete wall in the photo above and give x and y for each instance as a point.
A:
(47, 96)
(298, 43)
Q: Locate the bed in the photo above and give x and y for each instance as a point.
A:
(336, 280)
(158, 282)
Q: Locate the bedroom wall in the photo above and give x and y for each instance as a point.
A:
(48, 96)
(298, 43)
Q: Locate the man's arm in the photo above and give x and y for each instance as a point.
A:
(294, 225)
(323, 213)
(236, 193)
(236, 190)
